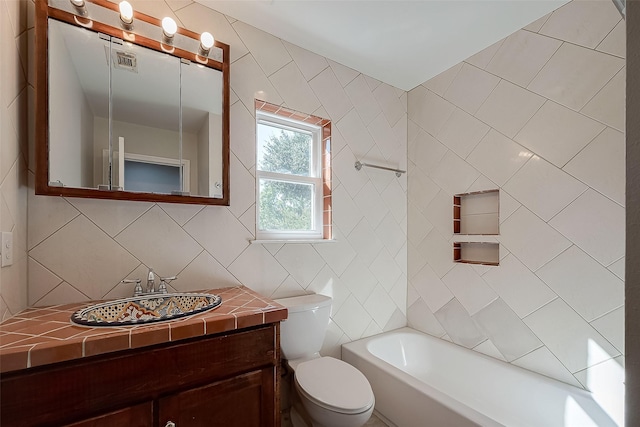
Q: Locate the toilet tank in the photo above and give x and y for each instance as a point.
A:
(302, 334)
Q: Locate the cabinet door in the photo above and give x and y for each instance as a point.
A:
(133, 416)
(246, 400)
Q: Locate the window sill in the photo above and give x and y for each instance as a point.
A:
(265, 241)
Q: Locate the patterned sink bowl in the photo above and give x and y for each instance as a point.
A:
(145, 309)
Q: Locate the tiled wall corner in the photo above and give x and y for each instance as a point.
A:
(540, 116)
(15, 30)
(364, 270)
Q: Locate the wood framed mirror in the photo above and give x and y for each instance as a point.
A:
(126, 112)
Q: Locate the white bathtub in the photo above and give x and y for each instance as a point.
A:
(419, 380)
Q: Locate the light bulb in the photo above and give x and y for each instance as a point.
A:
(206, 40)
(206, 43)
(126, 12)
(169, 28)
(81, 9)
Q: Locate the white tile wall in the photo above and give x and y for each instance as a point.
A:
(364, 270)
(14, 88)
(552, 96)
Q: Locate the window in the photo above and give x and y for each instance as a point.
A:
(293, 185)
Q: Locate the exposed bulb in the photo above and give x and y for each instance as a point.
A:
(206, 40)
(80, 6)
(169, 28)
(206, 43)
(126, 12)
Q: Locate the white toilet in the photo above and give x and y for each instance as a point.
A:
(333, 393)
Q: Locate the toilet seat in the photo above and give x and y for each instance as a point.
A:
(334, 385)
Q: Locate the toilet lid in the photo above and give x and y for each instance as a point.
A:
(335, 385)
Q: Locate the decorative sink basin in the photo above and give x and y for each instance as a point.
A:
(145, 309)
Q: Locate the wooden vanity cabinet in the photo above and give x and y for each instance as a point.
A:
(228, 380)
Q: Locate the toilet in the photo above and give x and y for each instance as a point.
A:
(332, 392)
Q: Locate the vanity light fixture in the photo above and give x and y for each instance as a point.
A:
(126, 14)
(80, 7)
(206, 43)
(169, 28)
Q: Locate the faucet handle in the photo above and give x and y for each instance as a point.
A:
(138, 288)
(164, 281)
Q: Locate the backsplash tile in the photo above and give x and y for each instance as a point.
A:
(506, 331)
(469, 288)
(460, 327)
(545, 363)
(530, 239)
(583, 23)
(522, 290)
(611, 326)
(462, 132)
(574, 74)
(601, 165)
(543, 188)
(522, 56)
(615, 43)
(557, 133)
(596, 224)
(608, 105)
(498, 157)
(99, 262)
(470, 88)
(509, 108)
(421, 318)
(267, 50)
(576, 344)
(573, 271)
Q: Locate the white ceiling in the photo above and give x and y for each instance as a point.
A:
(400, 42)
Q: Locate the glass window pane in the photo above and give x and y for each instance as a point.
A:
(285, 206)
(150, 177)
(284, 151)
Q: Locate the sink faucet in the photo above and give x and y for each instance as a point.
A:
(151, 284)
(151, 281)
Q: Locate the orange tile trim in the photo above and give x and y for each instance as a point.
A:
(49, 340)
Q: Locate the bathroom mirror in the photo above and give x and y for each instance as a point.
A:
(123, 116)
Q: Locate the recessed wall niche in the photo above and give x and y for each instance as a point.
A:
(484, 253)
(476, 213)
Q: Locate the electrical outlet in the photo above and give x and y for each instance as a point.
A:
(7, 248)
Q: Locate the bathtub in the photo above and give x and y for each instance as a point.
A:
(419, 380)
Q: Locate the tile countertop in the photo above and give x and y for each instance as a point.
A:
(39, 336)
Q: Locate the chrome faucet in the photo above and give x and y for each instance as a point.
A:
(151, 282)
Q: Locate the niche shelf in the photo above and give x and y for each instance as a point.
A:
(476, 213)
(483, 253)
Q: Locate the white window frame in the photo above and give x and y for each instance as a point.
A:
(315, 179)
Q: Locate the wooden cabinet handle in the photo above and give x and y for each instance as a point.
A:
(170, 424)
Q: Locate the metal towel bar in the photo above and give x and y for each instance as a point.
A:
(359, 166)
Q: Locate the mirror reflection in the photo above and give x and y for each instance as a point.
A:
(123, 117)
